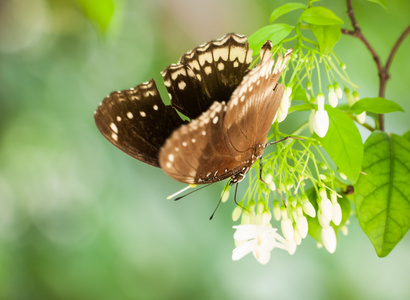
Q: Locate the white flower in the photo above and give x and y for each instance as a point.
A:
(321, 122)
(258, 239)
(333, 99)
(329, 238)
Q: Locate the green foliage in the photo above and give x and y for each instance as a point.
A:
(284, 9)
(100, 12)
(275, 33)
(327, 36)
(382, 3)
(375, 105)
(320, 16)
(382, 193)
(343, 143)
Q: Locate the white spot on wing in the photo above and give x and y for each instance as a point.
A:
(215, 120)
(208, 70)
(114, 127)
(114, 136)
(181, 85)
(155, 107)
(130, 115)
(171, 157)
(143, 114)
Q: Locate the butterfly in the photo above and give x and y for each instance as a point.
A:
(230, 110)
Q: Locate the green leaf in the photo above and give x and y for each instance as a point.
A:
(376, 105)
(382, 3)
(100, 11)
(274, 33)
(320, 16)
(343, 143)
(284, 9)
(382, 196)
(407, 135)
(327, 36)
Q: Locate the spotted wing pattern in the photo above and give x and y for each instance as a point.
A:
(137, 121)
(208, 73)
(227, 139)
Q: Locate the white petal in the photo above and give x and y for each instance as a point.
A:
(262, 255)
(321, 123)
(243, 249)
(245, 232)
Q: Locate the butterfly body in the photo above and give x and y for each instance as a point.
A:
(231, 110)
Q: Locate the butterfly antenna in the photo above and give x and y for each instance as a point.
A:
(180, 197)
(284, 139)
(220, 199)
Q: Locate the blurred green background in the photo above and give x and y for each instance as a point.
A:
(79, 219)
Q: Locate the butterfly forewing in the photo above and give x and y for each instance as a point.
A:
(208, 73)
(137, 121)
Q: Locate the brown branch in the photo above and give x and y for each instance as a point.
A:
(396, 47)
(383, 71)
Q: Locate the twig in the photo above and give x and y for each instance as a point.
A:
(383, 71)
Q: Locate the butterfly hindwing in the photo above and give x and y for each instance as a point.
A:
(137, 121)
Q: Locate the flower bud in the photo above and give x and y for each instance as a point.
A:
(343, 66)
(327, 208)
(284, 105)
(321, 122)
(225, 195)
(308, 207)
(291, 246)
(337, 213)
(269, 180)
(329, 239)
(296, 237)
(333, 99)
(302, 226)
(309, 85)
(338, 90)
(237, 211)
(361, 118)
(276, 210)
(320, 99)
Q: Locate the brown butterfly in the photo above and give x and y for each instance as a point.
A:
(230, 107)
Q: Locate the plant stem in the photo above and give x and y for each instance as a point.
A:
(383, 71)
